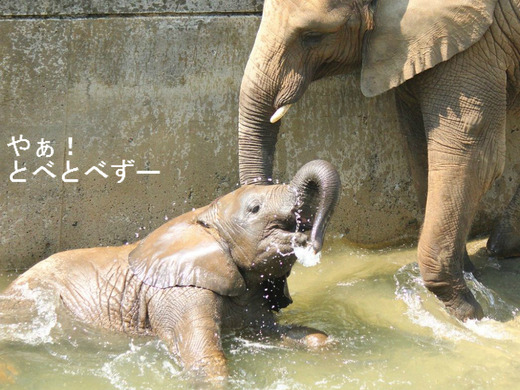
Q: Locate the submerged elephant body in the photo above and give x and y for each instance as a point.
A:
(221, 266)
(454, 66)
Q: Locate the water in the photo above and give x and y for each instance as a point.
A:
(388, 333)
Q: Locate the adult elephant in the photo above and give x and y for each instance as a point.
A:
(454, 67)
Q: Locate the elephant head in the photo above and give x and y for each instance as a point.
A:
(247, 236)
(301, 41)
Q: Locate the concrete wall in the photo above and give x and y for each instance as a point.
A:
(157, 83)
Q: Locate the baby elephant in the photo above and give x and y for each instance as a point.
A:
(221, 266)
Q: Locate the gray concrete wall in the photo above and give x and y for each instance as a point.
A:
(157, 82)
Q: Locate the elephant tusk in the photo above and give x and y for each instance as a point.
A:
(280, 113)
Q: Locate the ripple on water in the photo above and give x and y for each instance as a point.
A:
(386, 329)
(142, 366)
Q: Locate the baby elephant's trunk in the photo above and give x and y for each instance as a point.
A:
(318, 185)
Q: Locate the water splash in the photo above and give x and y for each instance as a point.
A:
(244, 344)
(306, 256)
(30, 316)
(410, 289)
(494, 306)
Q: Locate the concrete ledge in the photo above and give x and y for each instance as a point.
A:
(71, 8)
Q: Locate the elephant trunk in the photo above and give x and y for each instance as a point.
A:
(317, 184)
(257, 136)
(269, 86)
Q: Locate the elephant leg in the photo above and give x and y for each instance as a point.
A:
(504, 240)
(441, 247)
(187, 319)
(464, 115)
(412, 128)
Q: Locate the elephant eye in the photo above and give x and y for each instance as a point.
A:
(255, 209)
(311, 39)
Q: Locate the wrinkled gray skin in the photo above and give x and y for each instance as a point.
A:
(218, 267)
(454, 67)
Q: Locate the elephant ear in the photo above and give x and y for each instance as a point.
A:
(185, 253)
(411, 36)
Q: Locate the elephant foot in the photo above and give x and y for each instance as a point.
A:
(209, 370)
(459, 302)
(465, 307)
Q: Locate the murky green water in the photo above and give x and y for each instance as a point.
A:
(388, 332)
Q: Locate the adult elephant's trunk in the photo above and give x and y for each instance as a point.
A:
(317, 184)
(257, 136)
(271, 81)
